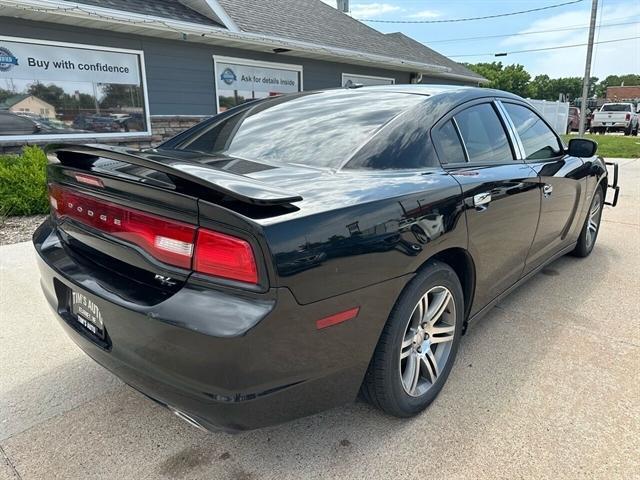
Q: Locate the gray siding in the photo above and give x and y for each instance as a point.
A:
(180, 74)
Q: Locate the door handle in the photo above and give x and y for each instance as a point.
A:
(547, 190)
(482, 200)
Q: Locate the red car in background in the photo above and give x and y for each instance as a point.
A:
(573, 122)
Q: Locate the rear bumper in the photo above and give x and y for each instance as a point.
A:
(230, 360)
(610, 125)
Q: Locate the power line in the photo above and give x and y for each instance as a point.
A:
(482, 37)
(503, 54)
(468, 19)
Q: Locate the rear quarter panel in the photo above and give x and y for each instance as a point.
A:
(365, 234)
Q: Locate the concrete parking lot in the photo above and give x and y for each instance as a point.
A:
(546, 386)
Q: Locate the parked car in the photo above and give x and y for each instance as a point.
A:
(573, 122)
(615, 117)
(12, 124)
(283, 256)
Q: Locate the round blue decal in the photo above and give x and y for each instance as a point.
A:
(228, 76)
(7, 60)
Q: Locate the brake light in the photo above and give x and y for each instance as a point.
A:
(627, 117)
(89, 180)
(167, 240)
(224, 256)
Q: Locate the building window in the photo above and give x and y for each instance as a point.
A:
(64, 90)
(351, 79)
(239, 80)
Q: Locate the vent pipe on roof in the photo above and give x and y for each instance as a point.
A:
(343, 6)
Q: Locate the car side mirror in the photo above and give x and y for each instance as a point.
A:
(582, 147)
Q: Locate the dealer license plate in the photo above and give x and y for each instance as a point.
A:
(87, 313)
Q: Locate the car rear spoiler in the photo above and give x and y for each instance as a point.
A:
(239, 187)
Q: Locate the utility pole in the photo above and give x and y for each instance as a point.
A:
(587, 67)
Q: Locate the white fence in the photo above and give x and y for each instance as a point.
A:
(556, 113)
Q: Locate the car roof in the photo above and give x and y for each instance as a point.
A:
(438, 90)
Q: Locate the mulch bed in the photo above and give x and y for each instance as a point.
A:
(18, 229)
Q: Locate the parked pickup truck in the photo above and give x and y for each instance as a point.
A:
(615, 117)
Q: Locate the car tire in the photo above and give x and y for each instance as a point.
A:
(416, 337)
(627, 131)
(635, 130)
(591, 227)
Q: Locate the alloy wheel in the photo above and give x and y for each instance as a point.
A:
(427, 341)
(594, 220)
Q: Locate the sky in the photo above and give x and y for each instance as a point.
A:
(514, 32)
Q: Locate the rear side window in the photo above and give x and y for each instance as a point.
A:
(537, 138)
(401, 144)
(483, 134)
(449, 144)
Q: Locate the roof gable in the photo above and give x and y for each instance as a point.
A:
(303, 28)
(310, 21)
(13, 100)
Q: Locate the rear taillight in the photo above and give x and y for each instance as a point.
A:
(225, 256)
(627, 117)
(167, 240)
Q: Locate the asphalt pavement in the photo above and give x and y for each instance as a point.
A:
(547, 385)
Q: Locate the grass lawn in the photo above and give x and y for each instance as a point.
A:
(614, 146)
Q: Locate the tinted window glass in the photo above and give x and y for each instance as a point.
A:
(401, 144)
(320, 129)
(449, 143)
(483, 135)
(616, 107)
(537, 138)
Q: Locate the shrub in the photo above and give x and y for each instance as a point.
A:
(23, 188)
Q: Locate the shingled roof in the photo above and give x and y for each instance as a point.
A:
(303, 27)
(169, 9)
(315, 22)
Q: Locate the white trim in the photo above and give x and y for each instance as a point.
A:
(252, 63)
(70, 45)
(372, 77)
(202, 32)
(143, 84)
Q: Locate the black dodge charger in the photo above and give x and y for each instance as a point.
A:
(290, 253)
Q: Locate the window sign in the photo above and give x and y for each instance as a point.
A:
(239, 81)
(52, 90)
(351, 80)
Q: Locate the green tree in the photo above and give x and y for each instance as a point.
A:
(512, 78)
(51, 93)
(4, 94)
(118, 96)
(628, 79)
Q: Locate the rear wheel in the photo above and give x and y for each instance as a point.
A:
(591, 227)
(418, 345)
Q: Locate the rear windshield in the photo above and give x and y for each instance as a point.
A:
(616, 107)
(320, 129)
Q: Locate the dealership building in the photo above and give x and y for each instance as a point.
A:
(137, 71)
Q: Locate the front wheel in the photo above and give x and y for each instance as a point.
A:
(418, 344)
(587, 238)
